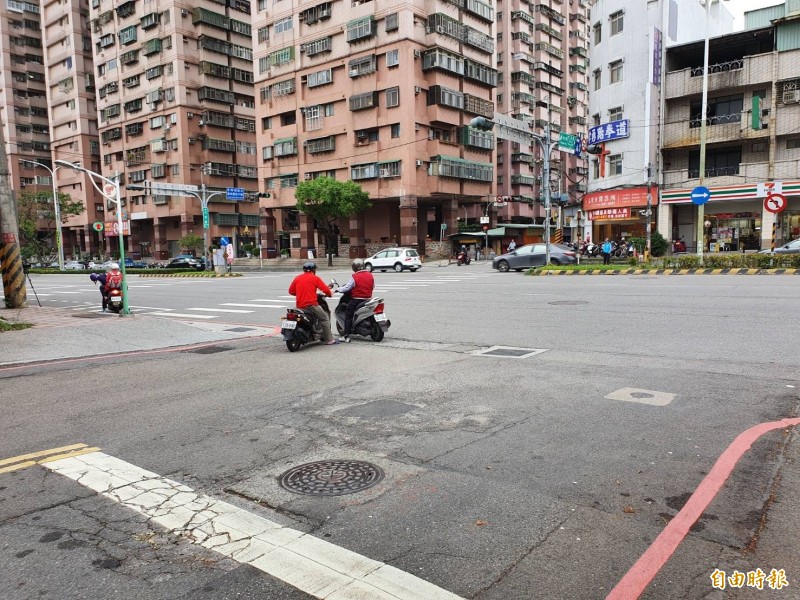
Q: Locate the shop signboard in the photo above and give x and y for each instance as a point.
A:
(610, 213)
(619, 198)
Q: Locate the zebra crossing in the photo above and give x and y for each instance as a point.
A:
(270, 307)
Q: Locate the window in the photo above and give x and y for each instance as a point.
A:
(395, 130)
(392, 97)
(288, 118)
(127, 35)
(325, 144)
(266, 123)
(596, 79)
(362, 66)
(616, 22)
(368, 171)
(790, 145)
(392, 58)
(595, 169)
(263, 35)
(447, 166)
(286, 147)
(392, 22)
(313, 118)
(361, 29)
(317, 46)
(389, 169)
(282, 56)
(596, 120)
(319, 78)
(362, 101)
(726, 109)
(598, 33)
(719, 162)
(615, 70)
(615, 114)
(615, 164)
(282, 25)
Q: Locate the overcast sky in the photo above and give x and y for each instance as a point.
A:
(737, 7)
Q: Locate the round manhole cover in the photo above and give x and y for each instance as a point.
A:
(331, 477)
(568, 302)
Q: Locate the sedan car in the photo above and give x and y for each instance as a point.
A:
(74, 265)
(184, 263)
(398, 259)
(533, 255)
(792, 247)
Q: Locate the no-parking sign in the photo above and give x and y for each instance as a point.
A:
(775, 203)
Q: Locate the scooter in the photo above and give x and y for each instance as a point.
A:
(463, 259)
(115, 300)
(301, 326)
(369, 319)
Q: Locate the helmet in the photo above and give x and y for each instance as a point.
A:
(358, 264)
(113, 267)
(309, 266)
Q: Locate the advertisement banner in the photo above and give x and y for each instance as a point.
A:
(618, 198)
(603, 214)
(112, 228)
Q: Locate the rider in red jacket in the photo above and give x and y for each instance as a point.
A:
(304, 288)
(360, 286)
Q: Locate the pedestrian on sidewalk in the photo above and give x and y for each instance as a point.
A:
(512, 246)
(606, 251)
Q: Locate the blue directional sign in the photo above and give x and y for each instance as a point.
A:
(234, 193)
(223, 241)
(700, 195)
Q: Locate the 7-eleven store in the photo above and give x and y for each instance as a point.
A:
(734, 220)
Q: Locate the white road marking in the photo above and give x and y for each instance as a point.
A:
(151, 307)
(254, 305)
(268, 300)
(223, 310)
(642, 396)
(180, 315)
(305, 562)
(81, 292)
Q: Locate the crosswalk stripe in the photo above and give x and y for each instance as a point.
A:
(268, 300)
(181, 315)
(301, 560)
(254, 305)
(223, 310)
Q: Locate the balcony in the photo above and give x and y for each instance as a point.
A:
(685, 179)
(728, 76)
(727, 128)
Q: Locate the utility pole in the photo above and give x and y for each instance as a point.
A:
(546, 184)
(701, 213)
(10, 257)
(649, 244)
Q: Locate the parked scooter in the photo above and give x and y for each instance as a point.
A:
(369, 319)
(463, 259)
(301, 326)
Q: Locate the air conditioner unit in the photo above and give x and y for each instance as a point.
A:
(357, 3)
(417, 126)
(417, 53)
(386, 173)
(354, 73)
(417, 89)
(167, 127)
(362, 135)
(184, 12)
(189, 115)
(439, 29)
(419, 163)
(791, 96)
(302, 49)
(22, 184)
(307, 176)
(201, 122)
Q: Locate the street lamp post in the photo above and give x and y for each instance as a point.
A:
(110, 191)
(57, 208)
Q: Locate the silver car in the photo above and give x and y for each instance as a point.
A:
(533, 255)
(792, 247)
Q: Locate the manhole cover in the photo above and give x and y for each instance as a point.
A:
(568, 302)
(331, 477)
(239, 329)
(509, 352)
(209, 350)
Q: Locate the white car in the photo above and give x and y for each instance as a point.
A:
(73, 265)
(398, 259)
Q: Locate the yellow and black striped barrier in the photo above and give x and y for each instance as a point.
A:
(542, 272)
(13, 274)
(190, 275)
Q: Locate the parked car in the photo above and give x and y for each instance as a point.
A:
(792, 247)
(185, 263)
(398, 259)
(200, 259)
(74, 265)
(134, 264)
(533, 255)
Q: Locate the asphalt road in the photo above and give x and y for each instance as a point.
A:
(545, 476)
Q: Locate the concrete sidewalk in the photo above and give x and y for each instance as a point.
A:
(58, 334)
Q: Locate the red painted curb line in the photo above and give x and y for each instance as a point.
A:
(639, 576)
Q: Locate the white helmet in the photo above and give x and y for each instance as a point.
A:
(113, 267)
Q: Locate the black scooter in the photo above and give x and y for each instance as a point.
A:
(301, 326)
(369, 319)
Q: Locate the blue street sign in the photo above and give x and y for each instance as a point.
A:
(223, 241)
(234, 193)
(609, 131)
(578, 146)
(700, 195)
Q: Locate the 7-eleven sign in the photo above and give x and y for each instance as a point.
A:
(766, 188)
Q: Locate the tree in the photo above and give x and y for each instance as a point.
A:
(191, 243)
(325, 200)
(37, 222)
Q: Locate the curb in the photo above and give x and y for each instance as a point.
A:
(207, 275)
(542, 273)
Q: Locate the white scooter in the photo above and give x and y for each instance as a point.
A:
(369, 319)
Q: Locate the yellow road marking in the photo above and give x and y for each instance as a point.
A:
(68, 455)
(14, 459)
(16, 467)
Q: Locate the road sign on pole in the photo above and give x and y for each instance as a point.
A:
(174, 189)
(236, 194)
(205, 218)
(97, 226)
(567, 141)
(775, 203)
(700, 195)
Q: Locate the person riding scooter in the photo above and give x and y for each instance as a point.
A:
(304, 288)
(360, 285)
(111, 279)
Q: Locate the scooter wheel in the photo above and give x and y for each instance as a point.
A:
(293, 345)
(340, 329)
(377, 332)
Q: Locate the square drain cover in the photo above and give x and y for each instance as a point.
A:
(239, 329)
(509, 352)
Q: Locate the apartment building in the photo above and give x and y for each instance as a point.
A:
(380, 94)
(542, 54)
(73, 134)
(23, 94)
(625, 106)
(752, 129)
(176, 106)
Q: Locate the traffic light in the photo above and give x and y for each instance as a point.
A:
(482, 123)
(596, 149)
(263, 195)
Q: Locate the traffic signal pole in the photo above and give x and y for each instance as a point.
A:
(10, 257)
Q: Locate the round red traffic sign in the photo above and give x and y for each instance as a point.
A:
(775, 203)
(98, 226)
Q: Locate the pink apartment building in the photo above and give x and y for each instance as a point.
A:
(381, 94)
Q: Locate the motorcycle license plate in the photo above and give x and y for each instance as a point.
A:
(289, 325)
(116, 299)
(380, 317)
